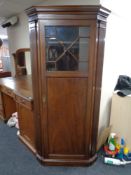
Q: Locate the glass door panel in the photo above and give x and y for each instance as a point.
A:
(67, 48)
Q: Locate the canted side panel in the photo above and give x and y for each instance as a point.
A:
(34, 43)
(99, 68)
(66, 115)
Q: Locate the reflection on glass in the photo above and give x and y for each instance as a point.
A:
(67, 48)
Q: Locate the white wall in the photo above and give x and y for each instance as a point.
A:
(117, 59)
(18, 36)
(28, 62)
(71, 2)
(3, 33)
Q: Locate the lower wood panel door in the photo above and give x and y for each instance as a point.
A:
(66, 113)
(26, 124)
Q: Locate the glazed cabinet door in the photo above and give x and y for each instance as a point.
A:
(67, 69)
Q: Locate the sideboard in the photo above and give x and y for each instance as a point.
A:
(16, 96)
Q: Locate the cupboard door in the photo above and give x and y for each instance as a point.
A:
(67, 68)
(66, 115)
(26, 124)
(1, 108)
(9, 106)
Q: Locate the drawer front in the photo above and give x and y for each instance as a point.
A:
(7, 91)
(23, 101)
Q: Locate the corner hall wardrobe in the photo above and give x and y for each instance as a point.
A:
(67, 48)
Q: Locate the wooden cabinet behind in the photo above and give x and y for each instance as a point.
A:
(67, 45)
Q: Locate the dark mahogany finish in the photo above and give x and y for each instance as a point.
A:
(66, 97)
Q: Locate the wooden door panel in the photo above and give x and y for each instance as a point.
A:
(66, 115)
(26, 122)
(9, 106)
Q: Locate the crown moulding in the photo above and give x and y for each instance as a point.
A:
(88, 11)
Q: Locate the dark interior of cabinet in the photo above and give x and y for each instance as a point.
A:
(63, 47)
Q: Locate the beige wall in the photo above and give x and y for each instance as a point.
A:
(18, 36)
